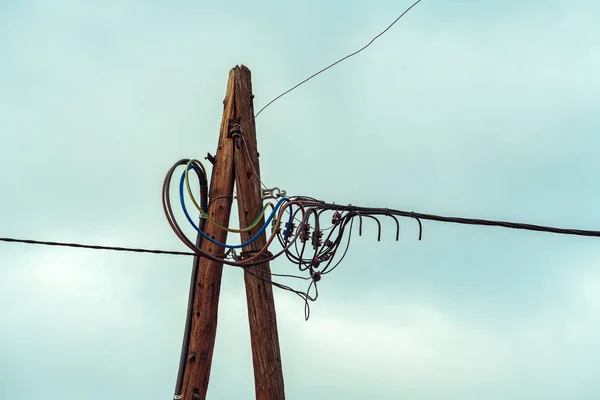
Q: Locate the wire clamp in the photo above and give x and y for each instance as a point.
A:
(235, 129)
(244, 255)
(232, 254)
(273, 193)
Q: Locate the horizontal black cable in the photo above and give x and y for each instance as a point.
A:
(459, 220)
(505, 224)
(96, 247)
(331, 206)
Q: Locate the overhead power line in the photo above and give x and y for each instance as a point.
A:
(460, 220)
(96, 247)
(331, 206)
(337, 62)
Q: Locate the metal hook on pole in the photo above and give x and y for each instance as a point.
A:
(273, 193)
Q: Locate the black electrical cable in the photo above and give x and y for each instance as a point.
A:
(192, 291)
(461, 220)
(96, 247)
(335, 63)
(327, 270)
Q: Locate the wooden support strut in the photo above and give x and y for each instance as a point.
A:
(268, 373)
(208, 282)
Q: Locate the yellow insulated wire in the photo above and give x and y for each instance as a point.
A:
(205, 215)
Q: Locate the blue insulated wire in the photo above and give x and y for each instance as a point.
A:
(239, 246)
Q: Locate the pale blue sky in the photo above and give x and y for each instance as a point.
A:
(466, 108)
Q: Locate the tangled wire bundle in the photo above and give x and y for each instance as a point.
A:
(296, 222)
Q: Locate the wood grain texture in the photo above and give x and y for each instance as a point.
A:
(268, 374)
(208, 283)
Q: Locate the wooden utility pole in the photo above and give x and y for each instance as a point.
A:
(268, 374)
(208, 282)
(236, 160)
